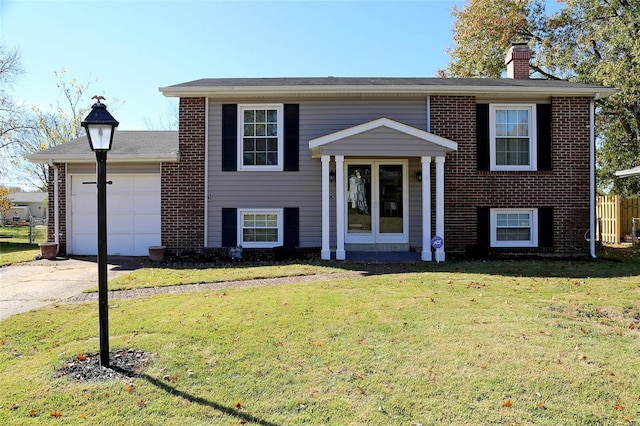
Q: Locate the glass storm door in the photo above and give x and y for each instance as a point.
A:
(376, 202)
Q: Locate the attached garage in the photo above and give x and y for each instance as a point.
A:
(133, 214)
(134, 217)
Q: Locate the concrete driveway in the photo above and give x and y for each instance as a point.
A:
(31, 285)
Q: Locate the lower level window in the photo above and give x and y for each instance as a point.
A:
(260, 228)
(514, 227)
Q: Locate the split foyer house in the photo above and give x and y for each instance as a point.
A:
(439, 166)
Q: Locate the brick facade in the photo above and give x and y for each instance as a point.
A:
(565, 188)
(62, 200)
(182, 183)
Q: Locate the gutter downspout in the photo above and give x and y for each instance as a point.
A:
(56, 202)
(592, 177)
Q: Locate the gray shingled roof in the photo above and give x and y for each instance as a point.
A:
(345, 85)
(128, 145)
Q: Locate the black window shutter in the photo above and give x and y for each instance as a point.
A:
(483, 227)
(291, 222)
(229, 137)
(543, 129)
(545, 227)
(482, 136)
(229, 227)
(291, 137)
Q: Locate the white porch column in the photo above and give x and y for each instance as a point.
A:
(440, 206)
(340, 253)
(426, 208)
(325, 253)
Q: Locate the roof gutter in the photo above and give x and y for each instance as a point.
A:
(168, 158)
(418, 90)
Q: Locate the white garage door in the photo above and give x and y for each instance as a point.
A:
(133, 214)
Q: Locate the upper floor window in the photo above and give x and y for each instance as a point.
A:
(512, 133)
(260, 138)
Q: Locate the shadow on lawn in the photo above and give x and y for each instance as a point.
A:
(611, 263)
(205, 402)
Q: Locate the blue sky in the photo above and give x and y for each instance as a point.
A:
(134, 47)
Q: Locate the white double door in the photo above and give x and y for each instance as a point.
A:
(376, 208)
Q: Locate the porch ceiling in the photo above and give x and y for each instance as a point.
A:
(381, 138)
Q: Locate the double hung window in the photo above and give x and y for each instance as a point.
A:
(512, 136)
(260, 228)
(514, 227)
(260, 138)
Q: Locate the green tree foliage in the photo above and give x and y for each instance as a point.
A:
(5, 201)
(585, 41)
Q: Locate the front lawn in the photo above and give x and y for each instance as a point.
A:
(463, 343)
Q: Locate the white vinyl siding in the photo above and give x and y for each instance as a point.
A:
(512, 132)
(514, 227)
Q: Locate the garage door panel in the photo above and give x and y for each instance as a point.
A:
(145, 184)
(146, 224)
(119, 224)
(133, 214)
(143, 241)
(146, 203)
(119, 203)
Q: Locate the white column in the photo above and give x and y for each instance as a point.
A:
(340, 253)
(440, 206)
(325, 253)
(426, 208)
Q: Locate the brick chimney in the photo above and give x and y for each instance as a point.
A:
(517, 61)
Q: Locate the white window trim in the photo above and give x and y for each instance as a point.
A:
(254, 244)
(533, 138)
(240, 130)
(533, 215)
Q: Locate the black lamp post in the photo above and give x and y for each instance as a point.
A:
(100, 127)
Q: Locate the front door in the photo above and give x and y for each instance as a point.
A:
(376, 201)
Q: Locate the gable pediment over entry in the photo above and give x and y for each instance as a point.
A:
(384, 138)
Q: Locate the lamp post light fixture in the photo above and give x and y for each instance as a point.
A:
(100, 127)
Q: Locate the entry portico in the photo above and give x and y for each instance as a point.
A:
(371, 180)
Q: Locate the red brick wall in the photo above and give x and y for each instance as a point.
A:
(62, 200)
(565, 188)
(182, 183)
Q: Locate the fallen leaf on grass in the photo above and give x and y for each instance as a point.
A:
(130, 387)
(81, 357)
(1, 342)
(483, 366)
(238, 405)
(33, 413)
(83, 415)
(55, 413)
(507, 403)
(169, 378)
(619, 407)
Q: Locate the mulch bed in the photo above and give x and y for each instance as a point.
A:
(123, 364)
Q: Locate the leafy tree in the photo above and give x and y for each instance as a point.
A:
(12, 114)
(586, 41)
(5, 202)
(55, 126)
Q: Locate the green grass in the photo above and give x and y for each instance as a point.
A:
(165, 276)
(14, 244)
(542, 343)
(11, 253)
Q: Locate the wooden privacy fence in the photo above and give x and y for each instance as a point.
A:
(615, 218)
